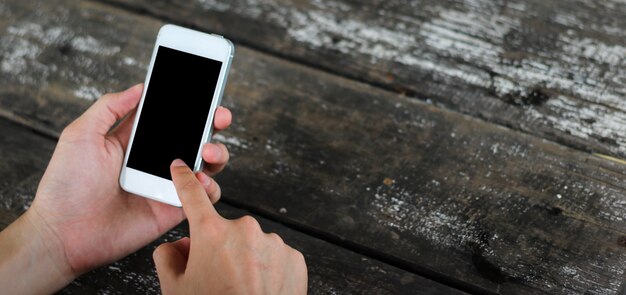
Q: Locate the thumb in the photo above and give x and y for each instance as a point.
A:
(170, 259)
(110, 108)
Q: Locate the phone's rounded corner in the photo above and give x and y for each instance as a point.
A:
(231, 48)
(177, 205)
(166, 27)
(122, 179)
(170, 201)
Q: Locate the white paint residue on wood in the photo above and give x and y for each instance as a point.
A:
(396, 207)
(467, 44)
(19, 60)
(24, 43)
(230, 140)
(586, 57)
(478, 39)
(35, 32)
(19, 200)
(214, 5)
(16, 57)
(91, 45)
(319, 29)
(129, 61)
(616, 208)
(593, 121)
(88, 93)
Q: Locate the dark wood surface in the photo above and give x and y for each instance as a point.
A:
(331, 268)
(452, 197)
(555, 68)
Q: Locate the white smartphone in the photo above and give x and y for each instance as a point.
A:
(183, 88)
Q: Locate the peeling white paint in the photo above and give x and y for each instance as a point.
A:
(91, 45)
(397, 208)
(231, 140)
(88, 93)
(584, 68)
(15, 59)
(129, 61)
(615, 209)
(214, 5)
(594, 120)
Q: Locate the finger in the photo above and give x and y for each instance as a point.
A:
(169, 261)
(109, 109)
(223, 118)
(211, 187)
(196, 203)
(216, 156)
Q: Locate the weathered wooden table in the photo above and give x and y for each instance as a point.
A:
(429, 147)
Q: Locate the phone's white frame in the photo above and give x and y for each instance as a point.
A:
(206, 45)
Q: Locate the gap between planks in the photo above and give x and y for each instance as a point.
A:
(34, 126)
(54, 135)
(404, 92)
(306, 230)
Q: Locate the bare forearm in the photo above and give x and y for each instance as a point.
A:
(31, 259)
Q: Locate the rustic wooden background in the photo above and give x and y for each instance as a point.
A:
(429, 147)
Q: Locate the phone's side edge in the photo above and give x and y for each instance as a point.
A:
(199, 163)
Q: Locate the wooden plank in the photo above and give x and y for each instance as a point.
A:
(19, 166)
(552, 68)
(331, 268)
(418, 186)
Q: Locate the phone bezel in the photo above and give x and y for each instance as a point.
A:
(206, 45)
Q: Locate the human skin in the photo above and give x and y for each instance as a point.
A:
(80, 218)
(224, 256)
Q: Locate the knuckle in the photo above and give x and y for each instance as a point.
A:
(300, 264)
(249, 224)
(276, 239)
(297, 256)
(300, 257)
(159, 251)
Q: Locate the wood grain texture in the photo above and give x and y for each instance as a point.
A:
(550, 68)
(462, 197)
(19, 166)
(331, 268)
(422, 187)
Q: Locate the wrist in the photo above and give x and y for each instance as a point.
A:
(48, 242)
(31, 252)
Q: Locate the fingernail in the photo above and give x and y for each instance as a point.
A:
(178, 163)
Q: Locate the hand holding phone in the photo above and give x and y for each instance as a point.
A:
(81, 218)
(183, 88)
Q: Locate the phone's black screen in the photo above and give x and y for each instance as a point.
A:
(175, 110)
